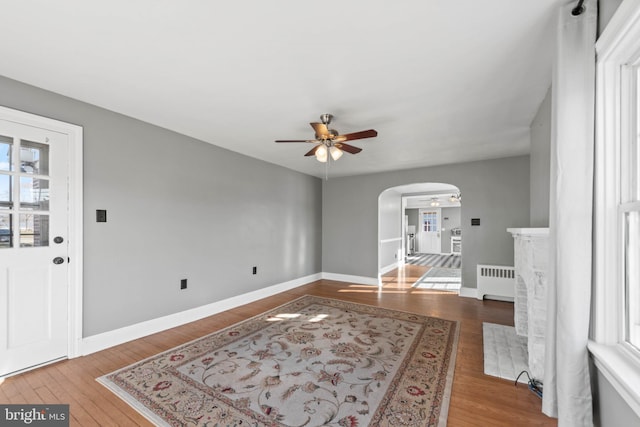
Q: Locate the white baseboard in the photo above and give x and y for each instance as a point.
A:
(388, 268)
(362, 280)
(108, 339)
(468, 292)
(473, 293)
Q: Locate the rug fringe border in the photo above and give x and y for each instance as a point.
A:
(446, 394)
(129, 400)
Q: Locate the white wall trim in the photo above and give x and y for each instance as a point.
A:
(619, 368)
(395, 239)
(108, 339)
(619, 30)
(390, 267)
(75, 190)
(361, 280)
(468, 292)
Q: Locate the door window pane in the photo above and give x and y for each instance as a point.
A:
(430, 221)
(34, 158)
(34, 194)
(5, 230)
(5, 192)
(34, 230)
(5, 153)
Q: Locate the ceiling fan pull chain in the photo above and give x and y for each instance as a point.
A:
(326, 168)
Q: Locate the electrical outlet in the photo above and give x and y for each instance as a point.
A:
(255, 270)
(183, 284)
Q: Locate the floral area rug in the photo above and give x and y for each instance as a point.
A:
(311, 362)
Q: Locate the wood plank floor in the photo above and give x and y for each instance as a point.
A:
(476, 399)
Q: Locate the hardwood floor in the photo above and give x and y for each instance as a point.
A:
(476, 399)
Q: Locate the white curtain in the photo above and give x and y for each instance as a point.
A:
(567, 388)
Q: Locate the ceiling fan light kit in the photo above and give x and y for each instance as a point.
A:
(330, 142)
(321, 154)
(336, 153)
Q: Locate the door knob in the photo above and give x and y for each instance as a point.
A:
(58, 239)
(58, 260)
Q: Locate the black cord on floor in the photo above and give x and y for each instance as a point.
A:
(534, 385)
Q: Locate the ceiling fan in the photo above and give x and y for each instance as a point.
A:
(329, 141)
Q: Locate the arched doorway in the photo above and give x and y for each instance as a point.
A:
(420, 224)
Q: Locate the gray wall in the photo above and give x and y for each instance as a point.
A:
(390, 227)
(412, 214)
(412, 219)
(496, 191)
(451, 218)
(610, 409)
(177, 208)
(606, 9)
(540, 157)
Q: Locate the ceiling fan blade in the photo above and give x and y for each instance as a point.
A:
(312, 152)
(348, 148)
(295, 140)
(322, 131)
(356, 135)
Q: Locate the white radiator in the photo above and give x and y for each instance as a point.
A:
(496, 281)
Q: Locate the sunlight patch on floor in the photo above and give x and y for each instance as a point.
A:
(399, 290)
(399, 281)
(372, 291)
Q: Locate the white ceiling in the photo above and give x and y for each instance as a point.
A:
(441, 81)
(426, 200)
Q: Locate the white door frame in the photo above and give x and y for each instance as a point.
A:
(403, 230)
(75, 138)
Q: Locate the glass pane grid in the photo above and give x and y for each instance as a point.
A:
(632, 277)
(430, 221)
(6, 230)
(34, 230)
(34, 158)
(34, 194)
(6, 147)
(24, 193)
(6, 191)
(630, 211)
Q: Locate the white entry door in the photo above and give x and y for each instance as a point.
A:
(429, 235)
(34, 295)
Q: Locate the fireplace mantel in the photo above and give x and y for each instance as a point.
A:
(533, 232)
